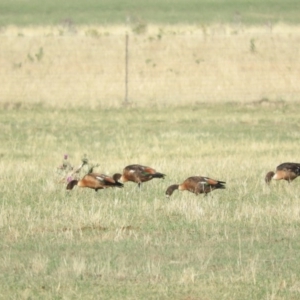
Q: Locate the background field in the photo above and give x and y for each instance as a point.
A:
(67, 66)
(213, 90)
(176, 11)
(212, 51)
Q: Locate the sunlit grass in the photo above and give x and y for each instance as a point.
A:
(208, 95)
(135, 11)
(183, 64)
(237, 243)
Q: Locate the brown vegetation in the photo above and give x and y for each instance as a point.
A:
(167, 65)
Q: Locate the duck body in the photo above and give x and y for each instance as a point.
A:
(95, 181)
(138, 174)
(286, 171)
(196, 185)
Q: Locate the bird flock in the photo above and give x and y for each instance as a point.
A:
(139, 174)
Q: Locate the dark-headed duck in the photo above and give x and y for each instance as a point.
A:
(286, 171)
(95, 181)
(196, 185)
(138, 174)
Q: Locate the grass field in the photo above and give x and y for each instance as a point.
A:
(213, 90)
(68, 66)
(172, 12)
(238, 243)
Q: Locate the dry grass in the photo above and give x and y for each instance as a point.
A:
(237, 243)
(85, 66)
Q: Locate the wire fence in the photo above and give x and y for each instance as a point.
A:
(171, 66)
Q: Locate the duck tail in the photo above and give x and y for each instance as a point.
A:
(119, 184)
(221, 185)
(158, 175)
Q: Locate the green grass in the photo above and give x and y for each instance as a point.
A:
(238, 243)
(180, 11)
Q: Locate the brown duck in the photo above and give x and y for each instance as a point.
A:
(138, 174)
(95, 181)
(286, 171)
(196, 185)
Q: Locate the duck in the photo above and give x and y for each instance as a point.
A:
(95, 181)
(287, 171)
(138, 174)
(196, 185)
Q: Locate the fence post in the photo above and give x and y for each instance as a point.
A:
(126, 69)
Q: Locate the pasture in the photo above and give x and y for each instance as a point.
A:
(213, 90)
(238, 243)
(23, 13)
(68, 66)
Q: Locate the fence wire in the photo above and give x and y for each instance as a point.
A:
(162, 67)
